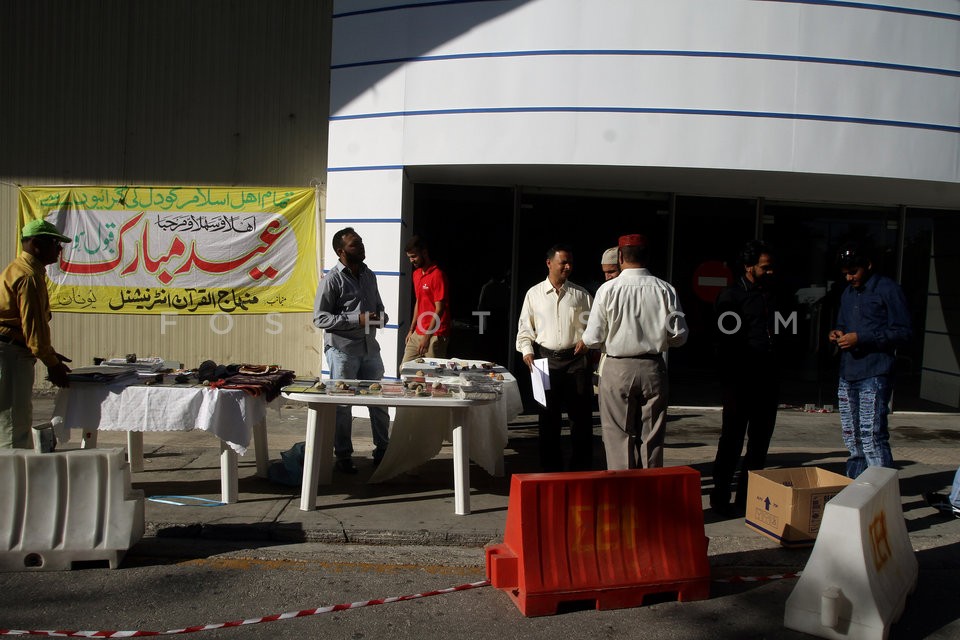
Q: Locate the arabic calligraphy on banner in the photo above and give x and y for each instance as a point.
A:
(179, 249)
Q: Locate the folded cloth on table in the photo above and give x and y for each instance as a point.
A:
(258, 369)
(267, 384)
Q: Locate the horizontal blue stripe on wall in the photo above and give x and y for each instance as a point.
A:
(649, 110)
(383, 167)
(874, 7)
(408, 5)
(840, 4)
(955, 73)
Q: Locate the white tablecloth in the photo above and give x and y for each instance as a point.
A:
(229, 414)
(418, 434)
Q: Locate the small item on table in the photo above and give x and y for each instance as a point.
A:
(392, 389)
(440, 390)
(342, 388)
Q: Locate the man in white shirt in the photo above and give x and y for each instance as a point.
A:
(637, 318)
(552, 320)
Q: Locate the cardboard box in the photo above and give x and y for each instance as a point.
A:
(787, 505)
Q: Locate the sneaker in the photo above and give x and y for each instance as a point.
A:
(941, 503)
(345, 465)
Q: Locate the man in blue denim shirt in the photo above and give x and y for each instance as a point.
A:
(873, 321)
(348, 308)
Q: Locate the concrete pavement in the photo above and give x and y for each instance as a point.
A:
(418, 508)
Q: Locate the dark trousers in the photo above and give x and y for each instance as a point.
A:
(571, 387)
(749, 410)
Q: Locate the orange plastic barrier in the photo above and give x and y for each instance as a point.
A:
(613, 537)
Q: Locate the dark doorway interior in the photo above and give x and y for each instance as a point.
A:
(470, 231)
(492, 242)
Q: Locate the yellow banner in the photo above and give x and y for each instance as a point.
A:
(198, 250)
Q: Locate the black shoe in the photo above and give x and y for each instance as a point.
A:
(722, 507)
(941, 503)
(727, 509)
(345, 465)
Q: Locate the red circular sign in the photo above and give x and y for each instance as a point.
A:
(710, 278)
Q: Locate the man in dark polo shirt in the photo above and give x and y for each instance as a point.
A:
(751, 382)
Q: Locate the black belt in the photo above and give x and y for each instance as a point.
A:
(10, 340)
(560, 354)
(642, 356)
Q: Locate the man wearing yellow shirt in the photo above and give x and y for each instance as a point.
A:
(25, 331)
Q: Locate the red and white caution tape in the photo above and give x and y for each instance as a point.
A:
(239, 623)
(139, 633)
(743, 579)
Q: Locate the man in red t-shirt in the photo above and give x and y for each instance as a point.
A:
(429, 333)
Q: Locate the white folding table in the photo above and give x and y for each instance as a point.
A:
(232, 415)
(321, 419)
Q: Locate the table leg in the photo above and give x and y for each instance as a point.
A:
(261, 450)
(318, 453)
(229, 484)
(135, 450)
(461, 463)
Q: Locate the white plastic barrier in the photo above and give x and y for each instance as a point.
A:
(63, 507)
(862, 567)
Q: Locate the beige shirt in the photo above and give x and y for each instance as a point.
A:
(555, 320)
(634, 314)
(25, 307)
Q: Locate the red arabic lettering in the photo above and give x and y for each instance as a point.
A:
(267, 237)
(93, 268)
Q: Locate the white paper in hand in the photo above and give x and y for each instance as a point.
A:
(540, 378)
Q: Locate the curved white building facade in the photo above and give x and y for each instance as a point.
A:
(832, 104)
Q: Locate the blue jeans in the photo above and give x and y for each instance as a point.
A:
(366, 367)
(863, 419)
(955, 491)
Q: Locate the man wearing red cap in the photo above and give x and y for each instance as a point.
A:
(25, 332)
(637, 318)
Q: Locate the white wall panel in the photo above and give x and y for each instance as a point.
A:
(378, 142)
(664, 82)
(739, 63)
(362, 194)
(372, 203)
(743, 26)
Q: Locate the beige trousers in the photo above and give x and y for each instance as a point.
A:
(16, 397)
(437, 349)
(633, 412)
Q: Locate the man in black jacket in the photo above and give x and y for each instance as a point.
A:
(746, 318)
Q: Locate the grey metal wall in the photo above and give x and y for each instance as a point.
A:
(170, 92)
